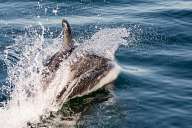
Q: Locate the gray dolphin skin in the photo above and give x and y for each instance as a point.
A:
(66, 50)
(87, 74)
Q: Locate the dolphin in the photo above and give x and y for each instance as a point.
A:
(88, 73)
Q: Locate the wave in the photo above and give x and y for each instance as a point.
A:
(24, 61)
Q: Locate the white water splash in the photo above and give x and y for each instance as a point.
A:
(28, 101)
(105, 42)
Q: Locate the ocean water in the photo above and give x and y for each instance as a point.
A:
(154, 87)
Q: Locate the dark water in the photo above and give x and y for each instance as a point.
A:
(155, 87)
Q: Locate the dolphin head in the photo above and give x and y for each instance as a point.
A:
(68, 43)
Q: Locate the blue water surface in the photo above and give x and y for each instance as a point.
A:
(154, 89)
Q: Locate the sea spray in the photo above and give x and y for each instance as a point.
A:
(28, 101)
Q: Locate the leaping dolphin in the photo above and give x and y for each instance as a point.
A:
(88, 74)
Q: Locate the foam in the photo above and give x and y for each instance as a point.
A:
(28, 101)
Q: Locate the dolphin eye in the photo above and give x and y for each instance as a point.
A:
(64, 23)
